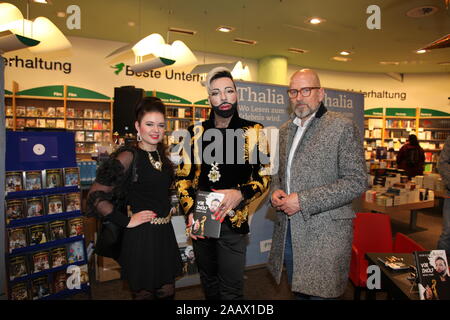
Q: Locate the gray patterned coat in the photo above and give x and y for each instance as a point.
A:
(327, 172)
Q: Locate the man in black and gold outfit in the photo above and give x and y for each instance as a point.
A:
(225, 154)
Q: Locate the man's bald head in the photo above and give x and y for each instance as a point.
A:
(308, 74)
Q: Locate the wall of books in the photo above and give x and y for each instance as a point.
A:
(46, 256)
(387, 129)
(83, 111)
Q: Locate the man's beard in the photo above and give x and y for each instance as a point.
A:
(307, 110)
(225, 113)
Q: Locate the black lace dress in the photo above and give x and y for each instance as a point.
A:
(149, 256)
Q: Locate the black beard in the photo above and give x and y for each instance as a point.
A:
(225, 113)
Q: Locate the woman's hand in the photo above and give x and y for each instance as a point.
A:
(189, 228)
(231, 200)
(141, 217)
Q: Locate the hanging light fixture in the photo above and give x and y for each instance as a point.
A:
(177, 54)
(41, 29)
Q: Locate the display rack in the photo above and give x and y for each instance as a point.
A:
(44, 223)
(83, 111)
(390, 128)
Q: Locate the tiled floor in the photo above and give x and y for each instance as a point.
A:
(259, 285)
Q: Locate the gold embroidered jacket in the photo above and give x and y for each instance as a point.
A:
(244, 165)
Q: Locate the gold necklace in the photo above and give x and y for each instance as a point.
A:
(156, 164)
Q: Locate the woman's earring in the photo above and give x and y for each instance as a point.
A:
(138, 137)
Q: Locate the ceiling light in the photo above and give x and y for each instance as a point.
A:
(131, 23)
(297, 50)
(61, 14)
(245, 41)
(183, 31)
(315, 20)
(225, 29)
(421, 12)
(345, 53)
(394, 63)
(421, 51)
(41, 1)
(10, 42)
(341, 59)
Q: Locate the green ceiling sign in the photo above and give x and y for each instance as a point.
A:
(81, 93)
(168, 98)
(374, 112)
(8, 92)
(433, 113)
(400, 112)
(48, 91)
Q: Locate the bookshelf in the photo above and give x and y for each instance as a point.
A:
(390, 128)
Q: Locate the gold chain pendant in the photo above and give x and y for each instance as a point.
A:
(156, 164)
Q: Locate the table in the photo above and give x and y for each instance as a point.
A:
(395, 282)
(411, 208)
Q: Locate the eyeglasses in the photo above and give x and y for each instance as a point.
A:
(305, 92)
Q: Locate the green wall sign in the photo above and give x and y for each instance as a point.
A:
(81, 93)
(374, 112)
(433, 113)
(168, 98)
(48, 91)
(400, 112)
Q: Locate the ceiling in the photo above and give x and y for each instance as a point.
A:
(276, 25)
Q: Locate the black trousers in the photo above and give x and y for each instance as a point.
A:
(221, 264)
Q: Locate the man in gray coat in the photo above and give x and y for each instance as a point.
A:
(321, 171)
(444, 170)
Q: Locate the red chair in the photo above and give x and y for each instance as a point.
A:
(404, 244)
(371, 233)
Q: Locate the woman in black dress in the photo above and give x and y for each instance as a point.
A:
(141, 178)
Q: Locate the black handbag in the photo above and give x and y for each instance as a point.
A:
(109, 240)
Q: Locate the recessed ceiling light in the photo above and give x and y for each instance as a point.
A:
(444, 63)
(41, 1)
(61, 14)
(245, 41)
(341, 59)
(131, 23)
(225, 29)
(421, 12)
(394, 63)
(345, 53)
(315, 20)
(421, 51)
(297, 50)
(183, 31)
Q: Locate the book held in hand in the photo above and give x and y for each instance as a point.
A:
(204, 223)
(433, 275)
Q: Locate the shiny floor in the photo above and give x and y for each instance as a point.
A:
(259, 284)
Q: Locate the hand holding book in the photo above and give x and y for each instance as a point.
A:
(232, 198)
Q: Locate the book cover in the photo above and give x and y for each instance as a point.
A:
(70, 113)
(71, 176)
(59, 281)
(19, 291)
(13, 181)
(88, 124)
(55, 204)
(40, 123)
(88, 113)
(72, 201)
(89, 136)
(75, 227)
(51, 112)
(21, 111)
(79, 124)
(188, 260)
(75, 252)
(50, 123)
(57, 230)
(33, 180)
(70, 124)
(79, 136)
(35, 207)
(40, 112)
(20, 123)
(106, 125)
(53, 178)
(31, 123)
(31, 112)
(98, 114)
(15, 209)
(38, 234)
(204, 223)
(17, 238)
(40, 261)
(40, 287)
(79, 113)
(433, 275)
(106, 115)
(60, 123)
(97, 125)
(59, 257)
(18, 267)
(60, 112)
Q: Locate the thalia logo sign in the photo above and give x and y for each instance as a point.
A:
(156, 74)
